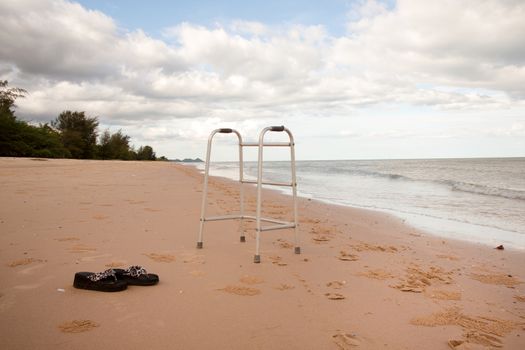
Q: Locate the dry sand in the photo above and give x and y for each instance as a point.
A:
(364, 280)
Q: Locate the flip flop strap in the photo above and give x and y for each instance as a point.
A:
(135, 271)
(97, 276)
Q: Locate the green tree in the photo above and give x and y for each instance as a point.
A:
(18, 138)
(78, 133)
(115, 146)
(145, 153)
(8, 97)
(103, 147)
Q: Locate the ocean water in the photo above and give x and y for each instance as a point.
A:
(477, 200)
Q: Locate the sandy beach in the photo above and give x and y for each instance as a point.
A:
(364, 280)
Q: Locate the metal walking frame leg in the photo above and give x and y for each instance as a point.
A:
(297, 248)
(242, 237)
(206, 177)
(259, 229)
(257, 256)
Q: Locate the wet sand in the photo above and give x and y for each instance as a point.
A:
(364, 279)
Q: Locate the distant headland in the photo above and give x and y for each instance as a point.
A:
(188, 160)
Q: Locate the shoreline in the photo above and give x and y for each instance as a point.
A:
(359, 270)
(441, 228)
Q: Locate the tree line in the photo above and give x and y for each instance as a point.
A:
(71, 135)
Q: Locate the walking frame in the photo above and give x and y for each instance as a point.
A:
(277, 224)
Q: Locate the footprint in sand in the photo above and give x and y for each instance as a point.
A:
(345, 256)
(520, 298)
(277, 260)
(77, 326)
(321, 239)
(463, 345)
(361, 247)
(242, 291)
(411, 289)
(444, 295)
(346, 341)
(322, 234)
(499, 279)
(251, 280)
(131, 201)
(448, 257)
(21, 262)
(376, 274)
(335, 296)
(418, 279)
(66, 239)
(284, 286)
(284, 244)
(336, 284)
(486, 331)
(193, 259)
(166, 258)
(152, 210)
(81, 248)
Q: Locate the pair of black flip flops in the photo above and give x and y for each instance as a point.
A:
(115, 280)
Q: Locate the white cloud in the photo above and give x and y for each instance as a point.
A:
(56, 38)
(447, 55)
(459, 43)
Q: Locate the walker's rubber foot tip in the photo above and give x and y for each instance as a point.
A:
(199, 245)
(257, 259)
(243, 239)
(297, 250)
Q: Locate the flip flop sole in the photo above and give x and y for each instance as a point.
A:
(82, 281)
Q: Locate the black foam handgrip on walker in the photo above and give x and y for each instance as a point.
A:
(225, 130)
(277, 128)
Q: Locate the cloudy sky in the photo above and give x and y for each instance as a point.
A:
(352, 79)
